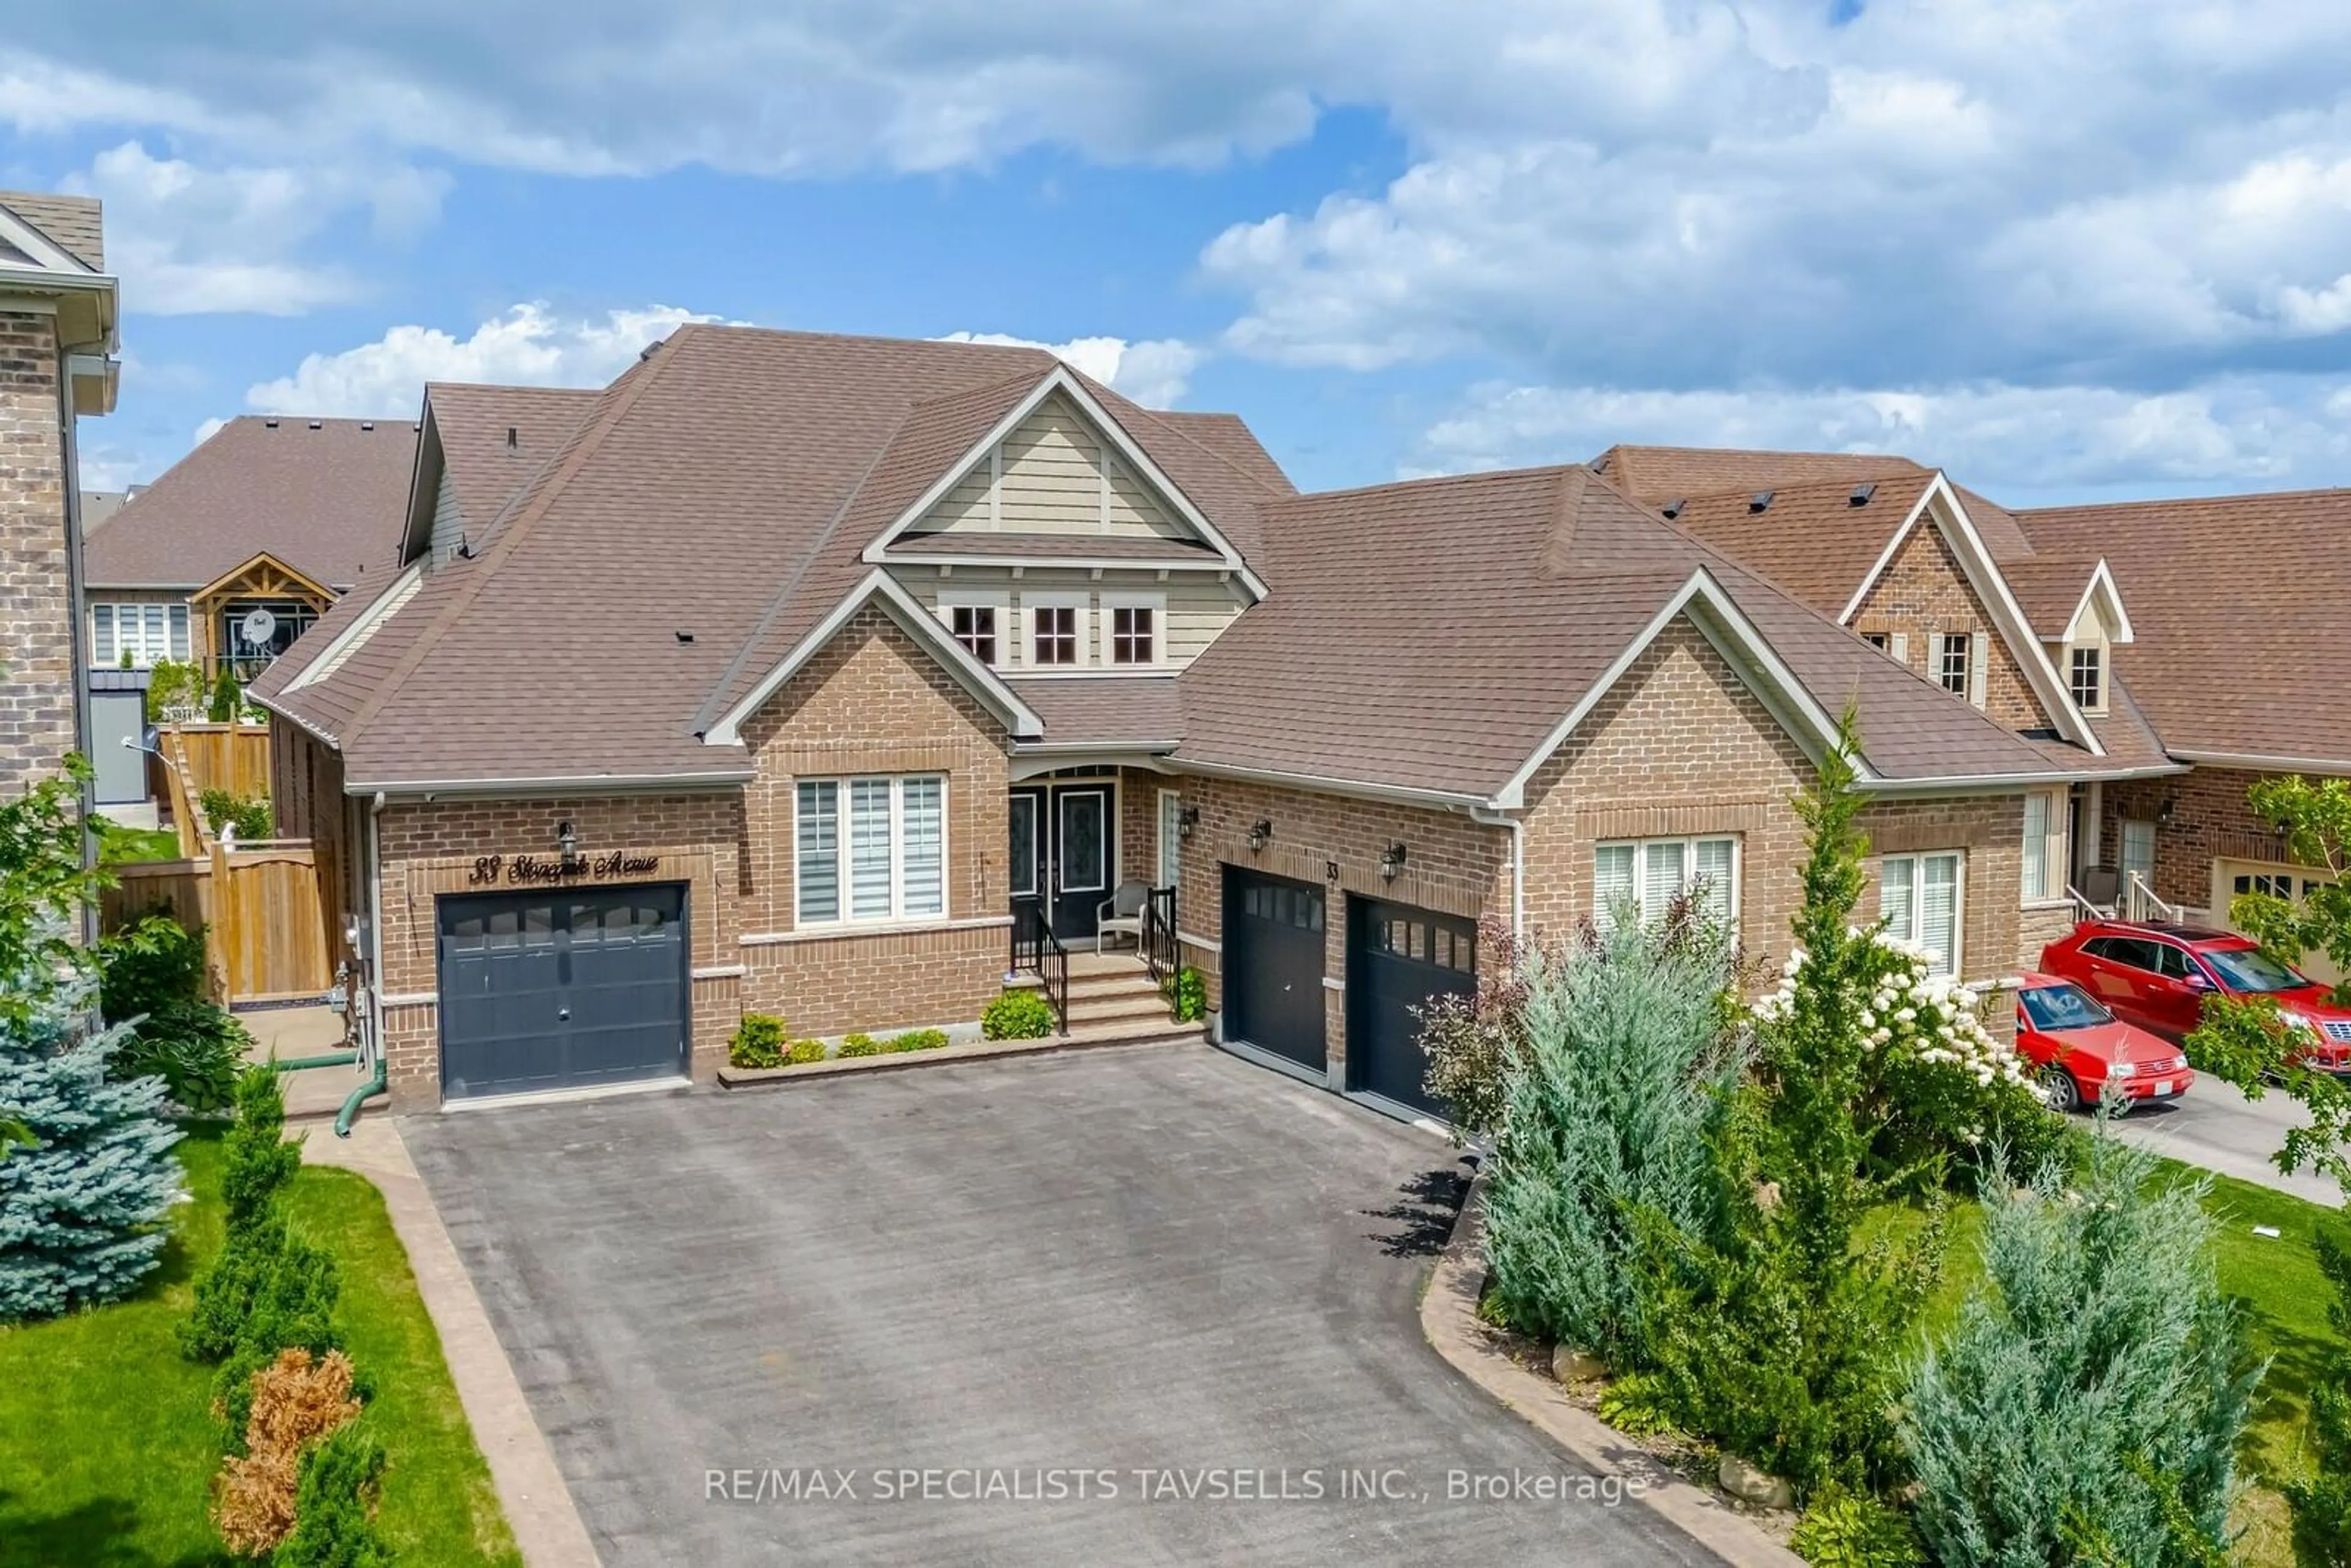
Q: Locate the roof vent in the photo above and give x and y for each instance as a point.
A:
(1759, 501)
(686, 636)
(513, 438)
(1861, 495)
(1672, 508)
(647, 351)
(367, 424)
(318, 424)
(418, 428)
(269, 423)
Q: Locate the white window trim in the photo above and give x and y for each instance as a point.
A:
(2106, 672)
(1000, 599)
(1941, 651)
(843, 896)
(1155, 602)
(1690, 842)
(1918, 862)
(1031, 603)
(178, 629)
(1169, 838)
(2056, 850)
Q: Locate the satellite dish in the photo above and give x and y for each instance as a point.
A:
(257, 627)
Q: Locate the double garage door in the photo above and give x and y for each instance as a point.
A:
(565, 989)
(1398, 958)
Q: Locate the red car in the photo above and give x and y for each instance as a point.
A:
(2077, 1048)
(2157, 976)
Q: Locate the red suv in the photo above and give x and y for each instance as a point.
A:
(2157, 976)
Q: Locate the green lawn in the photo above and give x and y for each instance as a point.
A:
(118, 845)
(107, 1444)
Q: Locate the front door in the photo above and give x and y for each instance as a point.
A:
(1061, 852)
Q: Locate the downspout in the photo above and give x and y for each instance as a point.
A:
(380, 1081)
(1518, 864)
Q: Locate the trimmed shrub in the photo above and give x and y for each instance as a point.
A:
(1853, 1529)
(2088, 1405)
(1625, 1063)
(861, 1045)
(2322, 1500)
(1186, 991)
(293, 1402)
(758, 1042)
(918, 1039)
(334, 1510)
(1020, 1013)
(152, 961)
(800, 1052)
(228, 697)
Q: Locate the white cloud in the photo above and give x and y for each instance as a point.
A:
(186, 239)
(1154, 373)
(2248, 432)
(529, 345)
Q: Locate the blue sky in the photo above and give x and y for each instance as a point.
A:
(2079, 250)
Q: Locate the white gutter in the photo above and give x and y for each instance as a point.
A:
(2000, 783)
(2335, 765)
(1518, 865)
(1436, 800)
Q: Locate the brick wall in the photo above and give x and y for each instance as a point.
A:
(37, 617)
(2210, 821)
(428, 849)
(1453, 865)
(1922, 594)
(874, 701)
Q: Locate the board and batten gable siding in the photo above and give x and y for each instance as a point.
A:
(448, 523)
(1053, 474)
(1199, 606)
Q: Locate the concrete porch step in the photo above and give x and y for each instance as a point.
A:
(1146, 1004)
(1133, 1032)
(1135, 985)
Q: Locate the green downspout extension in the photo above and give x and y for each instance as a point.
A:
(333, 1058)
(374, 1086)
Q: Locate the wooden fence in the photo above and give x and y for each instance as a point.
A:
(201, 757)
(265, 928)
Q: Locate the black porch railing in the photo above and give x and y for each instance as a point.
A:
(1036, 951)
(1161, 953)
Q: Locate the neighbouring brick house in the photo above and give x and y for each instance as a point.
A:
(832, 677)
(57, 316)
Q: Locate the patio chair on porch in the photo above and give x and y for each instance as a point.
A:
(1122, 913)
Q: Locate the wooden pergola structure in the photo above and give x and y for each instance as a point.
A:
(263, 578)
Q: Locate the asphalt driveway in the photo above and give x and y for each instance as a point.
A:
(1152, 1305)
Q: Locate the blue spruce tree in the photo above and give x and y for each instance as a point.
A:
(83, 1204)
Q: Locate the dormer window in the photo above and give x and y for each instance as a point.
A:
(2088, 679)
(1131, 635)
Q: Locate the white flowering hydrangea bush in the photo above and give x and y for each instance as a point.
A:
(1940, 1087)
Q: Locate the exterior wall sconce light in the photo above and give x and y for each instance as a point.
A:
(2163, 813)
(1392, 861)
(567, 842)
(1260, 834)
(1185, 821)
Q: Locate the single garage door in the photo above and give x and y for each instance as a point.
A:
(1273, 965)
(566, 989)
(1400, 959)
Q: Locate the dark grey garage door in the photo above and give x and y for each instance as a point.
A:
(1273, 965)
(1400, 959)
(562, 989)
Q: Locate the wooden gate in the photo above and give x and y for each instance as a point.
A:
(266, 937)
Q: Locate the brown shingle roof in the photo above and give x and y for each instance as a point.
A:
(473, 422)
(726, 487)
(326, 502)
(1143, 712)
(2048, 589)
(1811, 539)
(74, 224)
(1658, 475)
(2233, 601)
(1430, 635)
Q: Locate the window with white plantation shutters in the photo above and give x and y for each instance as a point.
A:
(1919, 897)
(869, 849)
(2037, 846)
(1652, 872)
(922, 875)
(818, 849)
